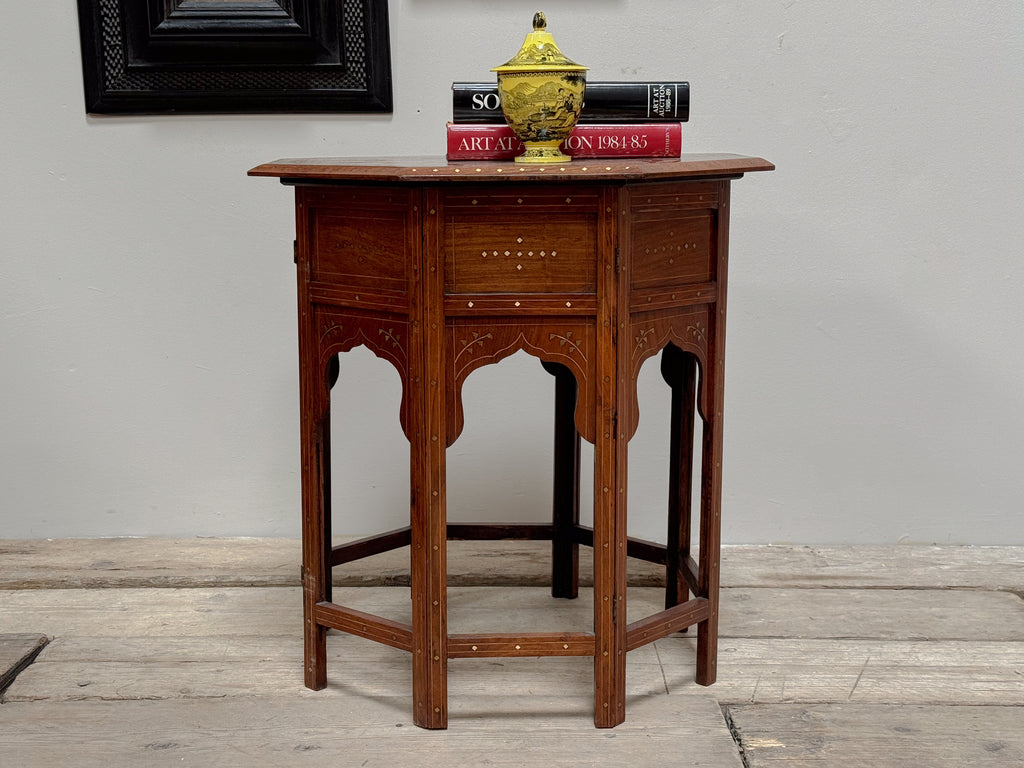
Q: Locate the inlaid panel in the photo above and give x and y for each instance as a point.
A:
(674, 195)
(518, 198)
(359, 238)
(672, 250)
(521, 253)
(360, 248)
(673, 234)
(520, 240)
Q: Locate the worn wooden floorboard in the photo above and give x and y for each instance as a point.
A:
(268, 562)
(829, 656)
(750, 671)
(126, 562)
(888, 672)
(138, 644)
(487, 680)
(844, 614)
(899, 567)
(513, 731)
(890, 614)
(871, 736)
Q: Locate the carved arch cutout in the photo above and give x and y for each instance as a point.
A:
(387, 338)
(684, 373)
(686, 370)
(687, 333)
(472, 346)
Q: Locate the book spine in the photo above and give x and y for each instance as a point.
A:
(603, 102)
(485, 141)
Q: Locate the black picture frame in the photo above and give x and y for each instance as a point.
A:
(235, 56)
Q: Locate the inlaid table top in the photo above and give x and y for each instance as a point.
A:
(417, 169)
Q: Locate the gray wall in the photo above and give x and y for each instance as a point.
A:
(147, 343)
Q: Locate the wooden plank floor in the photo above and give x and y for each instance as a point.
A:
(189, 653)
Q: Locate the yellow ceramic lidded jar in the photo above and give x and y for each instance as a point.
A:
(541, 92)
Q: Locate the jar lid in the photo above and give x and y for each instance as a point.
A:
(539, 53)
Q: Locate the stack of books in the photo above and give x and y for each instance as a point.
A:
(619, 119)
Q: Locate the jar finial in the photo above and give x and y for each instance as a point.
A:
(539, 22)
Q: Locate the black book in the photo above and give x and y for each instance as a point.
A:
(603, 102)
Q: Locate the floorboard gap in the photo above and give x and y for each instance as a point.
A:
(727, 714)
(23, 650)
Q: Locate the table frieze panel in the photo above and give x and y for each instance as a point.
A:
(516, 199)
(673, 196)
(386, 336)
(473, 344)
(689, 331)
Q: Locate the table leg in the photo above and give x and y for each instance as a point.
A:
(609, 579)
(713, 402)
(316, 512)
(610, 473)
(707, 631)
(428, 522)
(679, 370)
(565, 514)
(333, 373)
(710, 522)
(428, 581)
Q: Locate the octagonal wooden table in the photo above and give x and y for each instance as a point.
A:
(592, 267)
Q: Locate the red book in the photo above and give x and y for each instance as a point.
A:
(488, 141)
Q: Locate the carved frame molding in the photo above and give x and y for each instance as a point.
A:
(244, 56)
